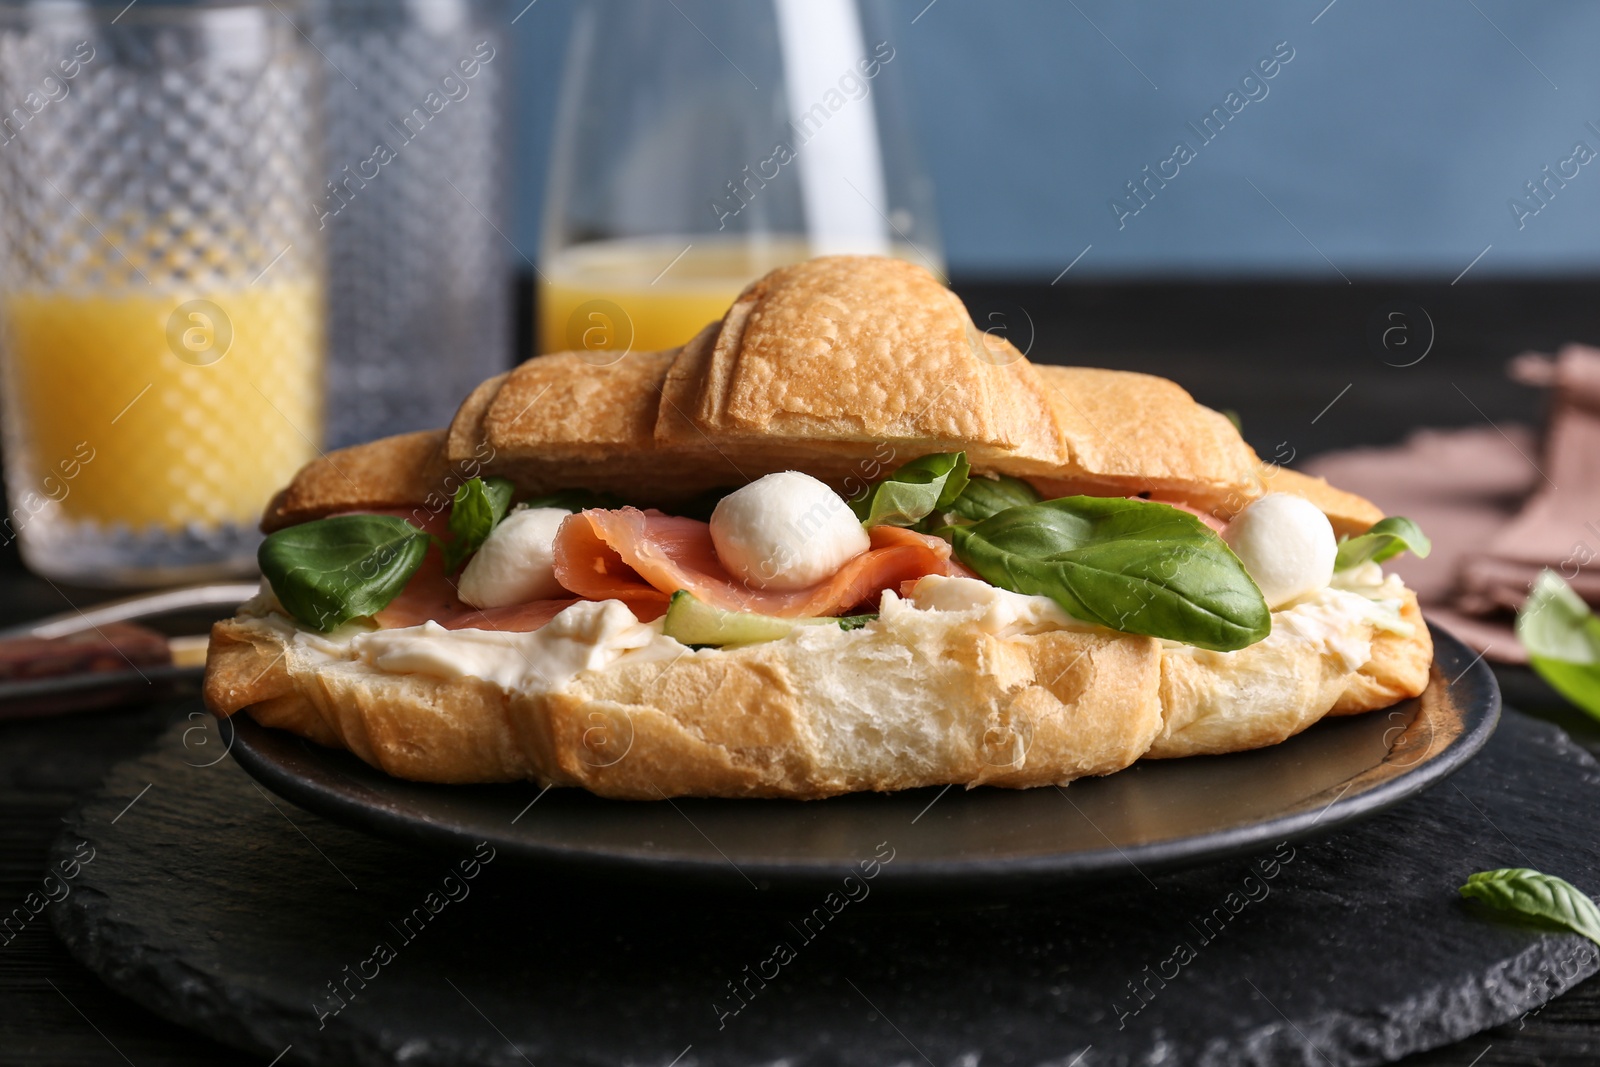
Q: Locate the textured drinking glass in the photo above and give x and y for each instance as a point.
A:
(160, 311)
(413, 209)
(703, 142)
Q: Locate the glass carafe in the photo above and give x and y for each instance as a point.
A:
(701, 143)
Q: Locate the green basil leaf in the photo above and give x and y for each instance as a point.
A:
(1386, 540)
(1579, 683)
(1562, 637)
(1130, 565)
(576, 500)
(1537, 896)
(985, 496)
(330, 571)
(477, 507)
(914, 491)
(1557, 624)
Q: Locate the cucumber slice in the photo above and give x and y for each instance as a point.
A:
(694, 622)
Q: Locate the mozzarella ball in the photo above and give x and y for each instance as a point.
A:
(516, 563)
(1286, 544)
(785, 531)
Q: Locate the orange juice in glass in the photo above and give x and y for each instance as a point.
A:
(146, 430)
(158, 415)
(161, 321)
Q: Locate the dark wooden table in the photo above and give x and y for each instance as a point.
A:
(1277, 354)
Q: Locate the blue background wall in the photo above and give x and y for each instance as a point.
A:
(1393, 140)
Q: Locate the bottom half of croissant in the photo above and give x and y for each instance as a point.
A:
(917, 698)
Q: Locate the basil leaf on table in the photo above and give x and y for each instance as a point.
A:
(985, 496)
(330, 571)
(575, 500)
(914, 491)
(1562, 637)
(1537, 896)
(1386, 540)
(477, 507)
(1130, 565)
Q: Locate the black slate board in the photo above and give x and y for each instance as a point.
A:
(224, 908)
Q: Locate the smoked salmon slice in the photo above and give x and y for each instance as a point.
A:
(643, 557)
(431, 596)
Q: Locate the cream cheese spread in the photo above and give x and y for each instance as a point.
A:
(992, 609)
(587, 636)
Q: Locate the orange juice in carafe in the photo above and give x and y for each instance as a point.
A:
(647, 294)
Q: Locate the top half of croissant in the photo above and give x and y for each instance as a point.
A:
(842, 366)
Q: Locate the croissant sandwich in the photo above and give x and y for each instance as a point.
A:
(841, 540)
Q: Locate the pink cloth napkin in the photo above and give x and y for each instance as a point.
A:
(1498, 507)
(1559, 526)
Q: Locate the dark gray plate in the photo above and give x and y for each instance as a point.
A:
(1156, 814)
